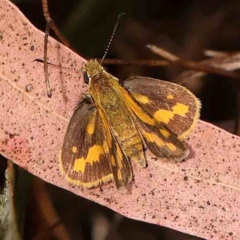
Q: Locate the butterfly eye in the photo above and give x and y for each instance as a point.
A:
(85, 77)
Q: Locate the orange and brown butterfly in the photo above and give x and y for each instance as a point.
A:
(115, 123)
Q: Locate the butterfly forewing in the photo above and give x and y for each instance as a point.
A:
(85, 155)
(90, 156)
(168, 103)
(120, 164)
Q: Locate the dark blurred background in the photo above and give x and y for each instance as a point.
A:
(185, 28)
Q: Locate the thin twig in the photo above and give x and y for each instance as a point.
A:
(50, 24)
(142, 62)
(47, 232)
(49, 90)
(219, 54)
(49, 213)
(174, 60)
(53, 25)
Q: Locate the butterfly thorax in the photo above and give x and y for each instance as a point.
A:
(104, 94)
(108, 101)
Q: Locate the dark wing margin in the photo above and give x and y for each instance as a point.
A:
(168, 103)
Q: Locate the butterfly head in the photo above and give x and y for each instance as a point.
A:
(91, 69)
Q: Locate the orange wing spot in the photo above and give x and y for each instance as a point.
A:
(165, 133)
(105, 147)
(180, 109)
(75, 181)
(171, 146)
(74, 149)
(170, 96)
(141, 98)
(119, 157)
(91, 124)
(92, 157)
(113, 163)
(119, 175)
(165, 115)
(153, 138)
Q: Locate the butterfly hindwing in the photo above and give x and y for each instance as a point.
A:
(121, 167)
(120, 164)
(168, 103)
(161, 141)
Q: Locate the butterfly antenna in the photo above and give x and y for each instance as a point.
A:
(110, 41)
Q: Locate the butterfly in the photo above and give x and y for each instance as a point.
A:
(116, 122)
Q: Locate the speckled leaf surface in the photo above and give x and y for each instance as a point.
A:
(199, 196)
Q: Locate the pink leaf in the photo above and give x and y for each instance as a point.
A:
(199, 196)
